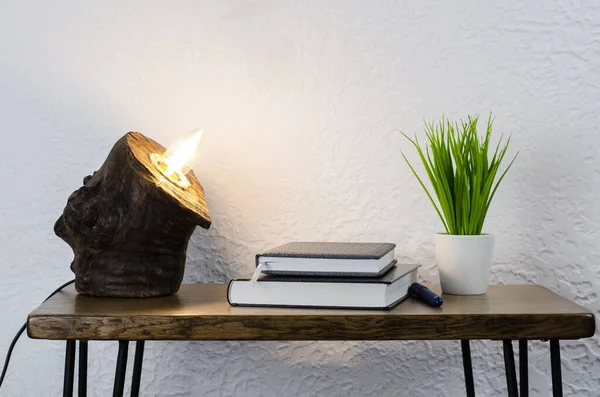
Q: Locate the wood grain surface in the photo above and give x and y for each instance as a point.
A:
(201, 312)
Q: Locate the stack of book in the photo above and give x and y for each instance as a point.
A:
(325, 275)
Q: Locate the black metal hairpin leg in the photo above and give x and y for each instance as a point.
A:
(83, 363)
(137, 368)
(523, 368)
(511, 372)
(468, 366)
(121, 368)
(556, 371)
(69, 369)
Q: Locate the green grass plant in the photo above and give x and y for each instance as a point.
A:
(463, 177)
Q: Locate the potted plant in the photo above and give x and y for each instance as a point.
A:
(464, 180)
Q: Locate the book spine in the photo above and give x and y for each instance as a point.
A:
(228, 293)
(257, 256)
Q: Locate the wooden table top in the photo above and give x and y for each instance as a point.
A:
(201, 312)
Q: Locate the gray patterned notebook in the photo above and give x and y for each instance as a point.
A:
(305, 258)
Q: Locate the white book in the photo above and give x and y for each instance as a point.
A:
(324, 292)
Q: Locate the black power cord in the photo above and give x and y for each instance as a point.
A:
(23, 328)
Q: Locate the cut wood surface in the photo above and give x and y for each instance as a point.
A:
(190, 198)
(201, 312)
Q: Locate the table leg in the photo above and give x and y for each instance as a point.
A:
(509, 366)
(523, 368)
(137, 368)
(556, 371)
(121, 368)
(69, 369)
(468, 368)
(83, 364)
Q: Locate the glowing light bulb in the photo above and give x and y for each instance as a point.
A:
(179, 158)
(183, 153)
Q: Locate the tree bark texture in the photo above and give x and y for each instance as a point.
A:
(129, 227)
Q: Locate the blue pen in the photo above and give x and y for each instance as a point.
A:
(423, 293)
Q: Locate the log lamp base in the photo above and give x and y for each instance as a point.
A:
(129, 225)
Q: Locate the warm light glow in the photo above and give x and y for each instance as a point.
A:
(182, 153)
(179, 158)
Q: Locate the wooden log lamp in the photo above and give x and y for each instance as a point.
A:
(130, 223)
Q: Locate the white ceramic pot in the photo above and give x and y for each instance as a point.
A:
(464, 263)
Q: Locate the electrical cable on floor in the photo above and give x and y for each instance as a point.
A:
(18, 335)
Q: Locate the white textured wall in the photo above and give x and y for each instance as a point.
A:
(300, 102)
